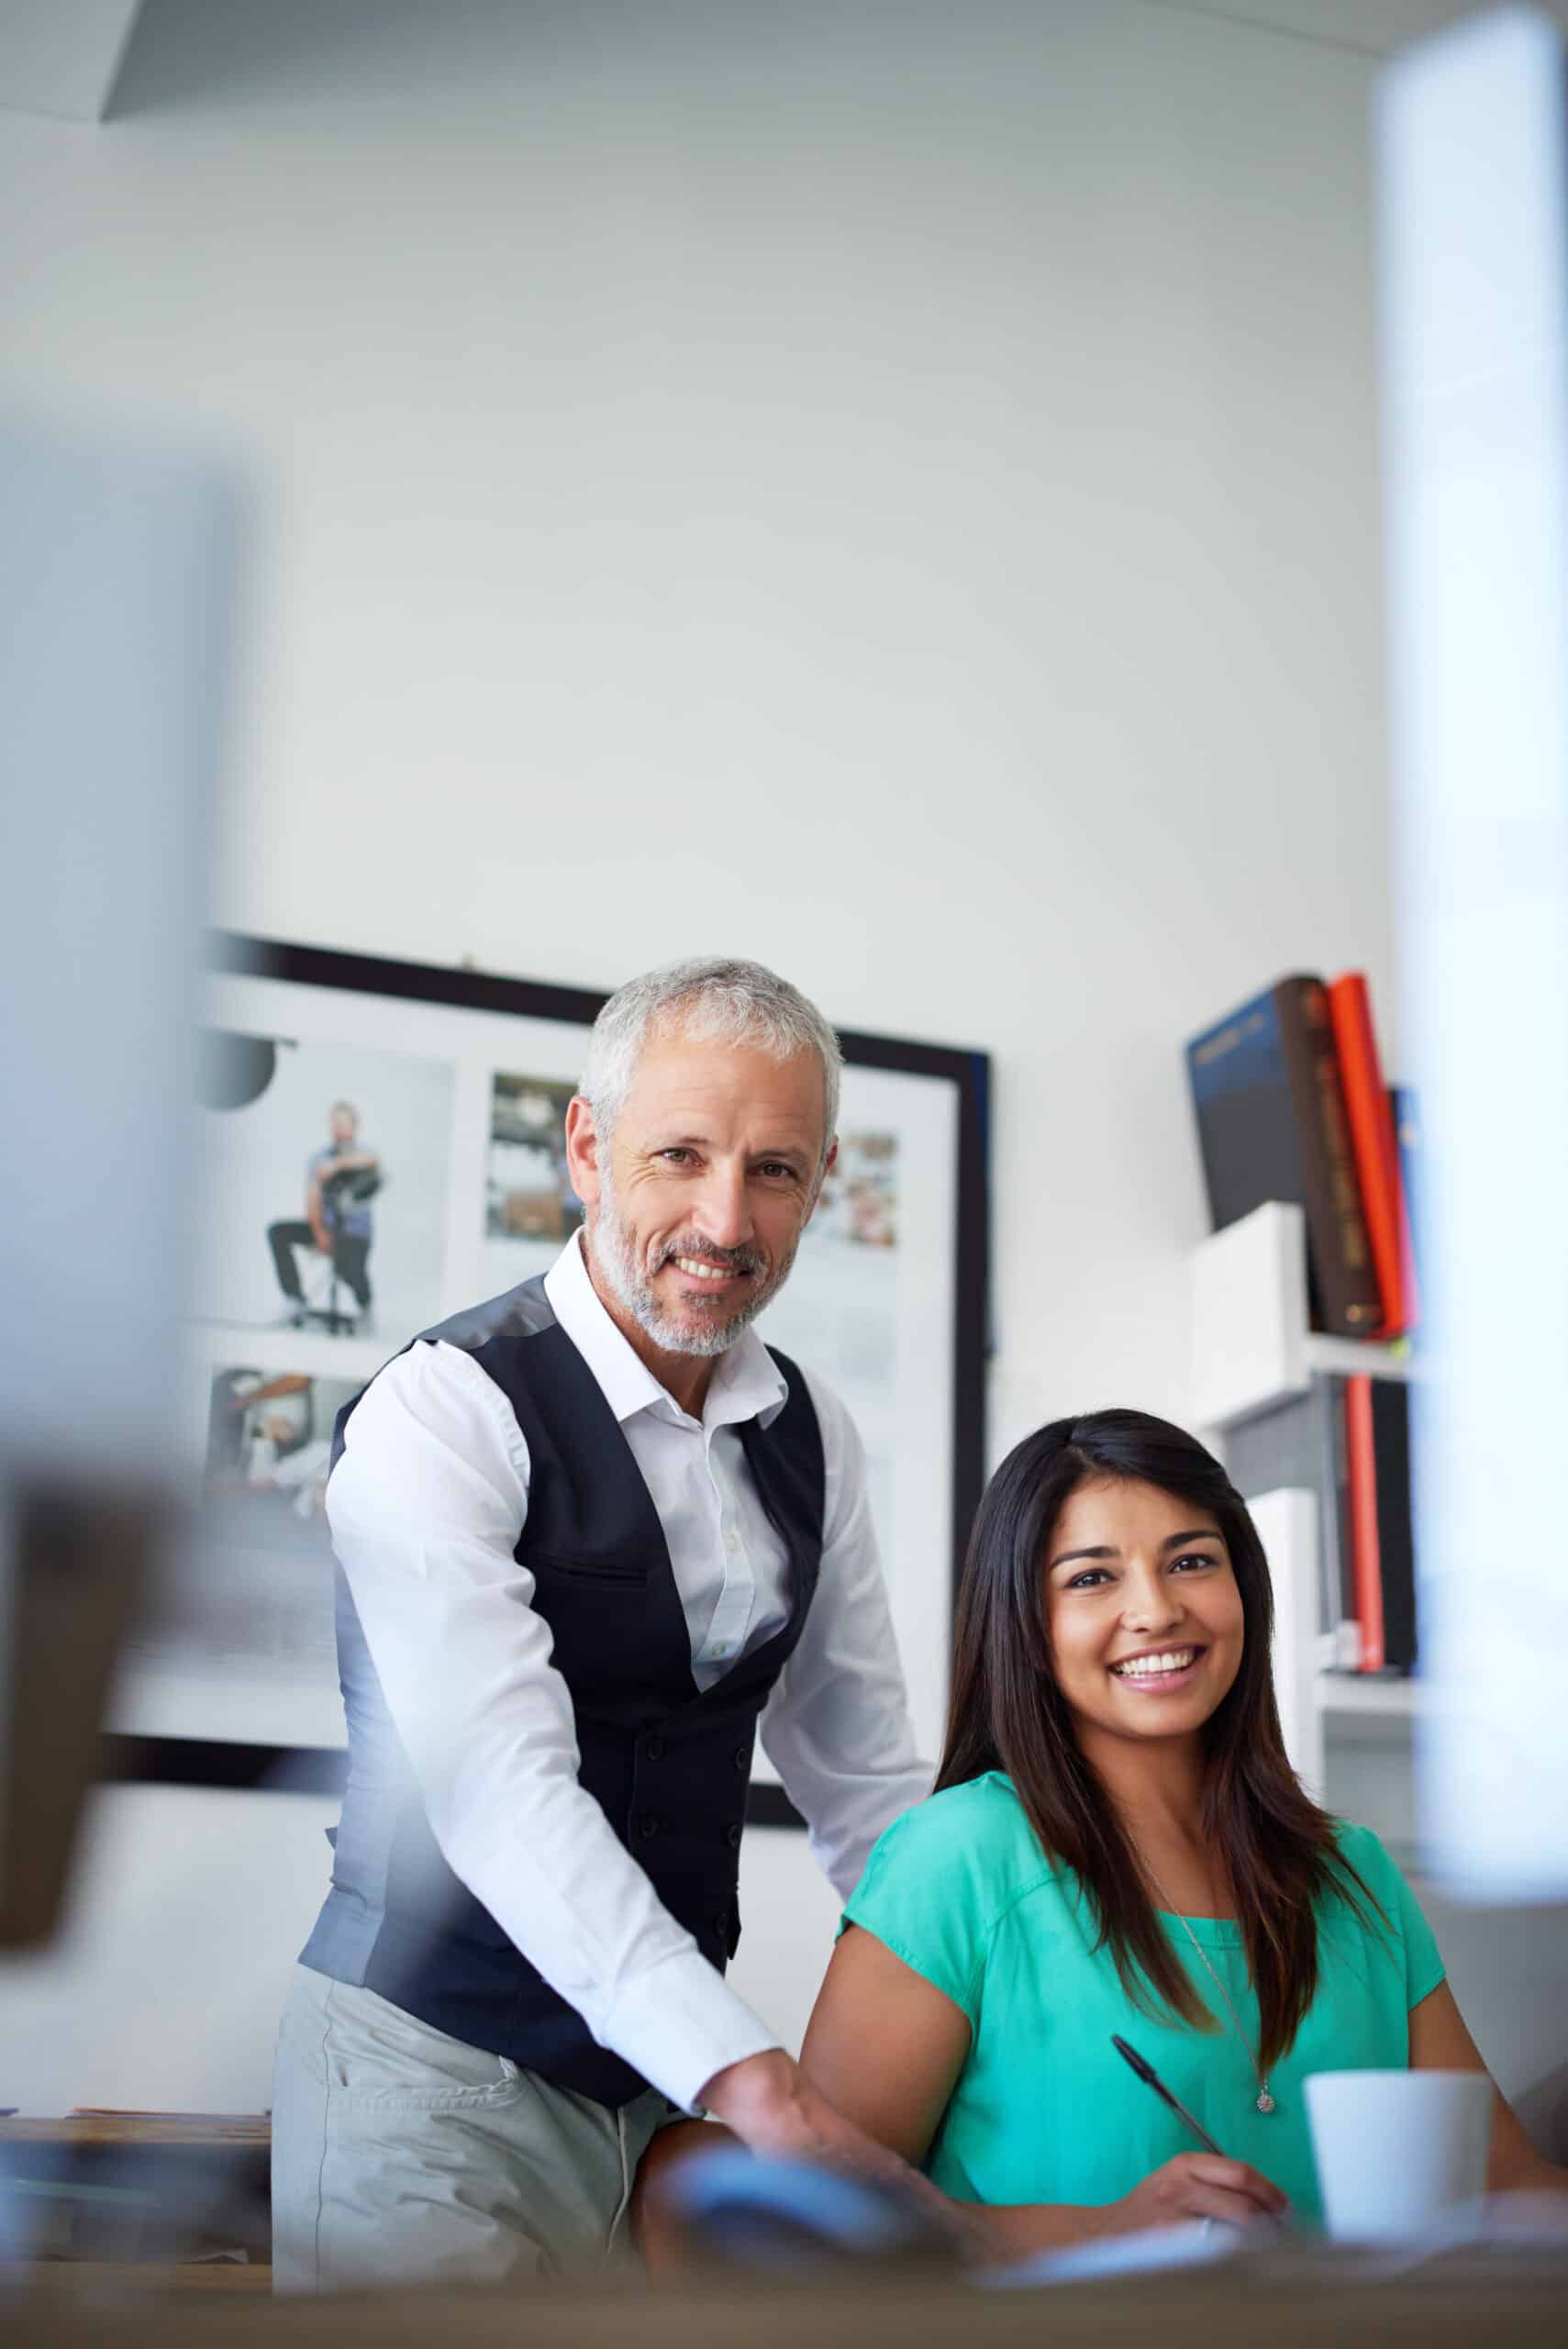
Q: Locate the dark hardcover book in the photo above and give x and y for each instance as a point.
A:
(1337, 1483)
(1300, 1444)
(1271, 1118)
(1396, 1540)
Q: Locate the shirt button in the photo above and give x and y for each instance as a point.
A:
(732, 1836)
(719, 1647)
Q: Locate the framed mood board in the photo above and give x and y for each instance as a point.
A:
(378, 1144)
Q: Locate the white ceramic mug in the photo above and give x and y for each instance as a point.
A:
(1394, 2150)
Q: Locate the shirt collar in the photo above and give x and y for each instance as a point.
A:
(747, 1383)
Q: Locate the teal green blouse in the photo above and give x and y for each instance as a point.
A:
(1045, 2110)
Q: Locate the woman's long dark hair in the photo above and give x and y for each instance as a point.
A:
(1008, 1713)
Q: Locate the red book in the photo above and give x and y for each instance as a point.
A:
(1366, 1557)
(1373, 1143)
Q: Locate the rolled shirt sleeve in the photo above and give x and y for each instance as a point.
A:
(426, 1507)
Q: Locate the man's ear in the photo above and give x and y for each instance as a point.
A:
(583, 1149)
(827, 1166)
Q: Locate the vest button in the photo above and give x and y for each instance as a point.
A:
(721, 1925)
(740, 1757)
(654, 1749)
(732, 1836)
(647, 1825)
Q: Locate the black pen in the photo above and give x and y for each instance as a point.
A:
(1150, 2078)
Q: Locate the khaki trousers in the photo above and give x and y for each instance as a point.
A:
(400, 2155)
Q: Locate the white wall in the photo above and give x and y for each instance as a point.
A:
(887, 489)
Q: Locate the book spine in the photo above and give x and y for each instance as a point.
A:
(1395, 1542)
(1331, 1568)
(1361, 1458)
(1347, 1648)
(1346, 1283)
(1371, 1129)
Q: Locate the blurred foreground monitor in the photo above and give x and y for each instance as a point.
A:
(1473, 153)
(115, 576)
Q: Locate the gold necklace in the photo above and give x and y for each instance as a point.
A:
(1265, 2101)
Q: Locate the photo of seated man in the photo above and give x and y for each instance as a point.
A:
(339, 1182)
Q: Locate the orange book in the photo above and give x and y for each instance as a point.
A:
(1373, 1143)
(1366, 1554)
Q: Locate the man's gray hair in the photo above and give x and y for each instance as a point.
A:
(720, 1001)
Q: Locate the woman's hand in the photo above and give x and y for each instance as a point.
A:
(1196, 2186)
(656, 2231)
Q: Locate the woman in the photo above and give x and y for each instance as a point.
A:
(1117, 1842)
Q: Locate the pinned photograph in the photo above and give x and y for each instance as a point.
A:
(530, 1208)
(322, 1186)
(270, 1440)
(859, 1203)
(247, 1596)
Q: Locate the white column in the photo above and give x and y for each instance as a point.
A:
(1475, 222)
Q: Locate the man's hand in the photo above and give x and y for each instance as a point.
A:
(773, 2108)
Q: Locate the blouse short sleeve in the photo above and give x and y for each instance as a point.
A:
(935, 1882)
(1424, 1969)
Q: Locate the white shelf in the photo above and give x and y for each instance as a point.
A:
(1354, 1357)
(1253, 1351)
(1367, 1692)
(1251, 1347)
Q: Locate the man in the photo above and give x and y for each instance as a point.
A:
(337, 1215)
(590, 1533)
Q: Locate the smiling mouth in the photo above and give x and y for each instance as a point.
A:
(696, 1270)
(1170, 1664)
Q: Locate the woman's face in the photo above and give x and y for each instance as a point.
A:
(1143, 1610)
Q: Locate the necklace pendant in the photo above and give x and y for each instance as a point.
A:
(1265, 2101)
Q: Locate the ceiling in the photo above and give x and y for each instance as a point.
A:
(60, 57)
(1374, 27)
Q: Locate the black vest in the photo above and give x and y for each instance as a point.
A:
(668, 1766)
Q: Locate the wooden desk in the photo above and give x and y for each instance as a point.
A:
(127, 2282)
(120, 2128)
(121, 2189)
(1447, 2306)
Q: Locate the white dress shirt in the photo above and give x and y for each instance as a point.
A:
(427, 1506)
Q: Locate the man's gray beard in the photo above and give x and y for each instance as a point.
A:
(615, 1257)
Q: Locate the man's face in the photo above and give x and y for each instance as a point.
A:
(695, 1208)
(345, 1126)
